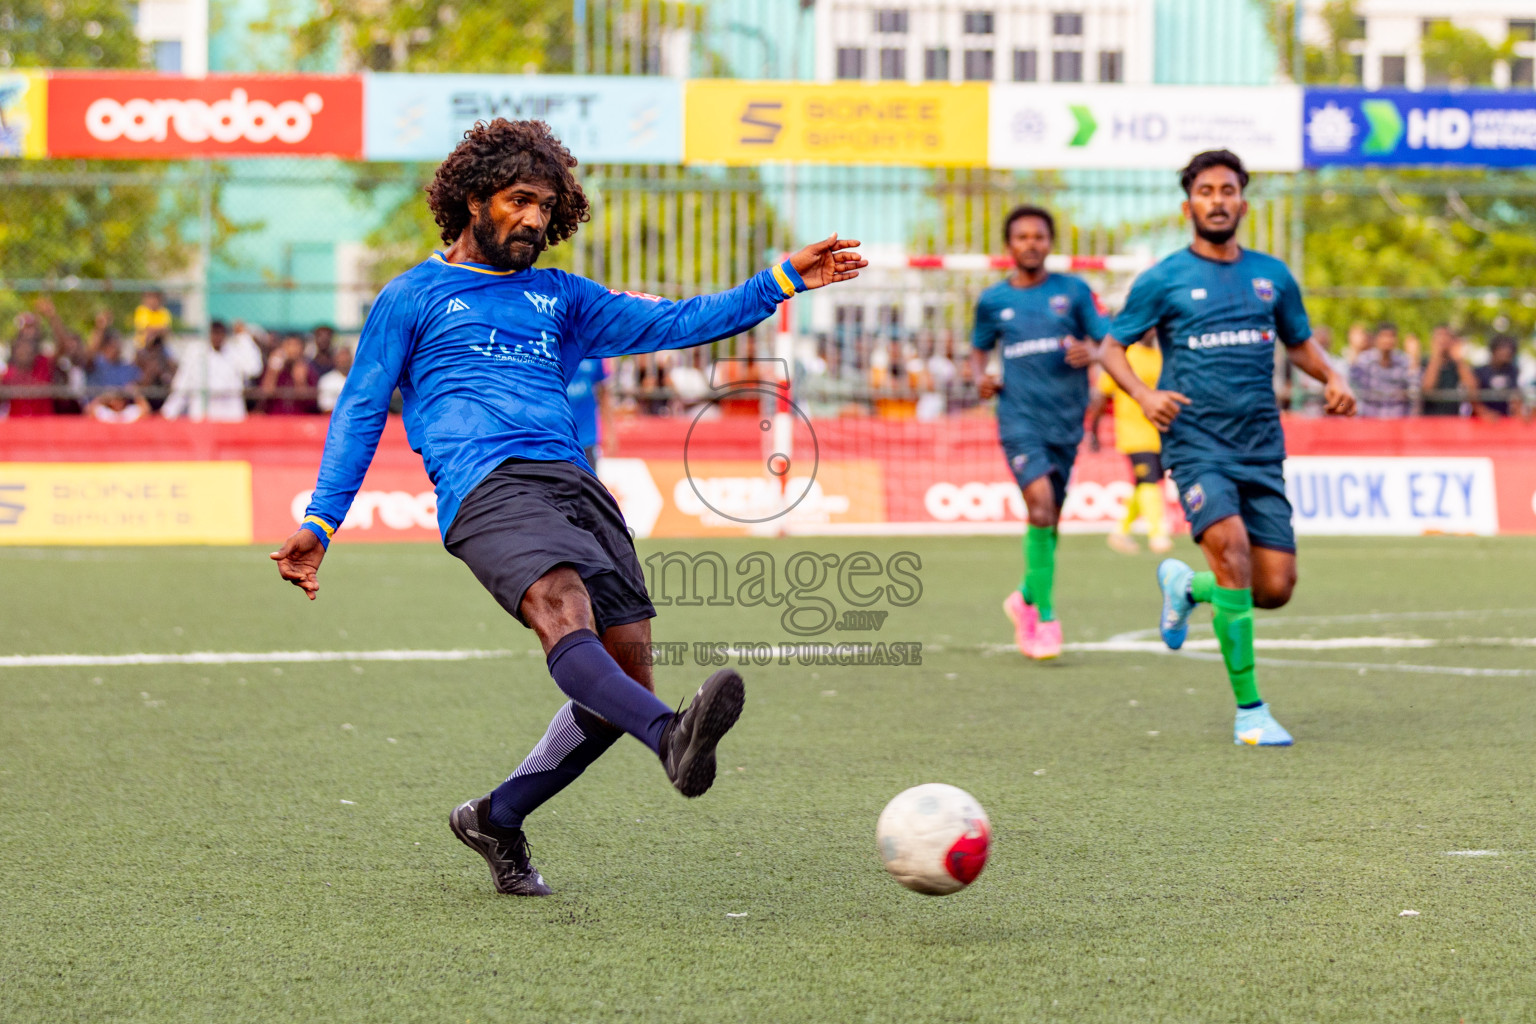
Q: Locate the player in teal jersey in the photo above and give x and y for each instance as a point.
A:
(1047, 327)
(1218, 309)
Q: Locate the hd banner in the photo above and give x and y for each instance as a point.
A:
(1483, 128)
(1158, 127)
(601, 119)
(743, 123)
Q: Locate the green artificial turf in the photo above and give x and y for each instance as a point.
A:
(268, 842)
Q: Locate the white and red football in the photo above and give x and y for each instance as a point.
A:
(934, 838)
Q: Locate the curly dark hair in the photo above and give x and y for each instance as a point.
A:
(496, 155)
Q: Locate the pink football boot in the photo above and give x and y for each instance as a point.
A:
(1025, 619)
(1047, 640)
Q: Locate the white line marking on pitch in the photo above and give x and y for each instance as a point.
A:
(1471, 853)
(236, 658)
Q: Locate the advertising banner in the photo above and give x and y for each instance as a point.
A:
(394, 504)
(125, 503)
(601, 119)
(1348, 126)
(23, 114)
(742, 123)
(1153, 127)
(1391, 496)
(152, 117)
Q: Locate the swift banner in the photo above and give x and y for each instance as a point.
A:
(1347, 126)
(743, 123)
(1154, 127)
(601, 119)
(23, 115)
(125, 503)
(155, 117)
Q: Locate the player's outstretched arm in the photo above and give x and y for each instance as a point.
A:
(828, 262)
(1161, 407)
(612, 323)
(298, 561)
(1338, 399)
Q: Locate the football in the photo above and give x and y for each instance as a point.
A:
(934, 838)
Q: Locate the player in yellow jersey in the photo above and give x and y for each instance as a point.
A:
(1138, 438)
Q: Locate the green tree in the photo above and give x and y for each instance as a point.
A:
(68, 34)
(1444, 241)
(1460, 56)
(1330, 63)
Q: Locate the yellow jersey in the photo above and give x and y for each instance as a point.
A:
(146, 320)
(1133, 431)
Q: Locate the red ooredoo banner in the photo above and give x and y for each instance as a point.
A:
(142, 116)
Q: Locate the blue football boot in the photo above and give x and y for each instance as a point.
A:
(1256, 727)
(1173, 577)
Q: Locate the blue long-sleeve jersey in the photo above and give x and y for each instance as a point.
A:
(483, 356)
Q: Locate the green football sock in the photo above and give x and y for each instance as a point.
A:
(1234, 632)
(1203, 587)
(1039, 569)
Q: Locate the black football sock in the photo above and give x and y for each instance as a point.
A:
(575, 738)
(587, 673)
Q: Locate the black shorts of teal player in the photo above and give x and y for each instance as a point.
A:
(1217, 323)
(1041, 408)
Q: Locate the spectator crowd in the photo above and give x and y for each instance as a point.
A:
(240, 369)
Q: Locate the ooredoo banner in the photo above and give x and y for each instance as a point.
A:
(600, 119)
(143, 116)
(1148, 127)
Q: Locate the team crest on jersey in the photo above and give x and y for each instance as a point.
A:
(543, 303)
(1060, 304)
(1264, 288)
(1194, 498)
(1018, 462)
(1006, 313)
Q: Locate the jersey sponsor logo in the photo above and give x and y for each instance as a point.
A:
(457, 306)
(1006, 313)
(1228, 339)
(1060, 304)
(1194, 498)
(1197, 293)
(520, 350)
(543, 303)
(1264, 288)
(1033, 347)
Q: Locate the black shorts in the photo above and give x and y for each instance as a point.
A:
(527, 518)
(1147, 467)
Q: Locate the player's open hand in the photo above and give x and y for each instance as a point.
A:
(298, 561)
(1162, 406)
(989, 386)
(828, 261)
(1081, 353)
(1338, 399)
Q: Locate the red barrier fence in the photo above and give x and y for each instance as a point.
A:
(870, 475)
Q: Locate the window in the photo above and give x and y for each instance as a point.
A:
(891, 19)
(168, 56)
(1026, 66)
(936, 64)
(1521, 71)
(850, 62)
(893, 64)
(1394, 71)
(1067, 66)
(1067, 24)
(978, 23)
(978, 65)
(1522, 31)
(1111, 66)
(1428, 25)
(1357, 30)
(1357, 67)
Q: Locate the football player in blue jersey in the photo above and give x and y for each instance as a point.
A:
(483, 346)
(1218, 310)
(1046, 327)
